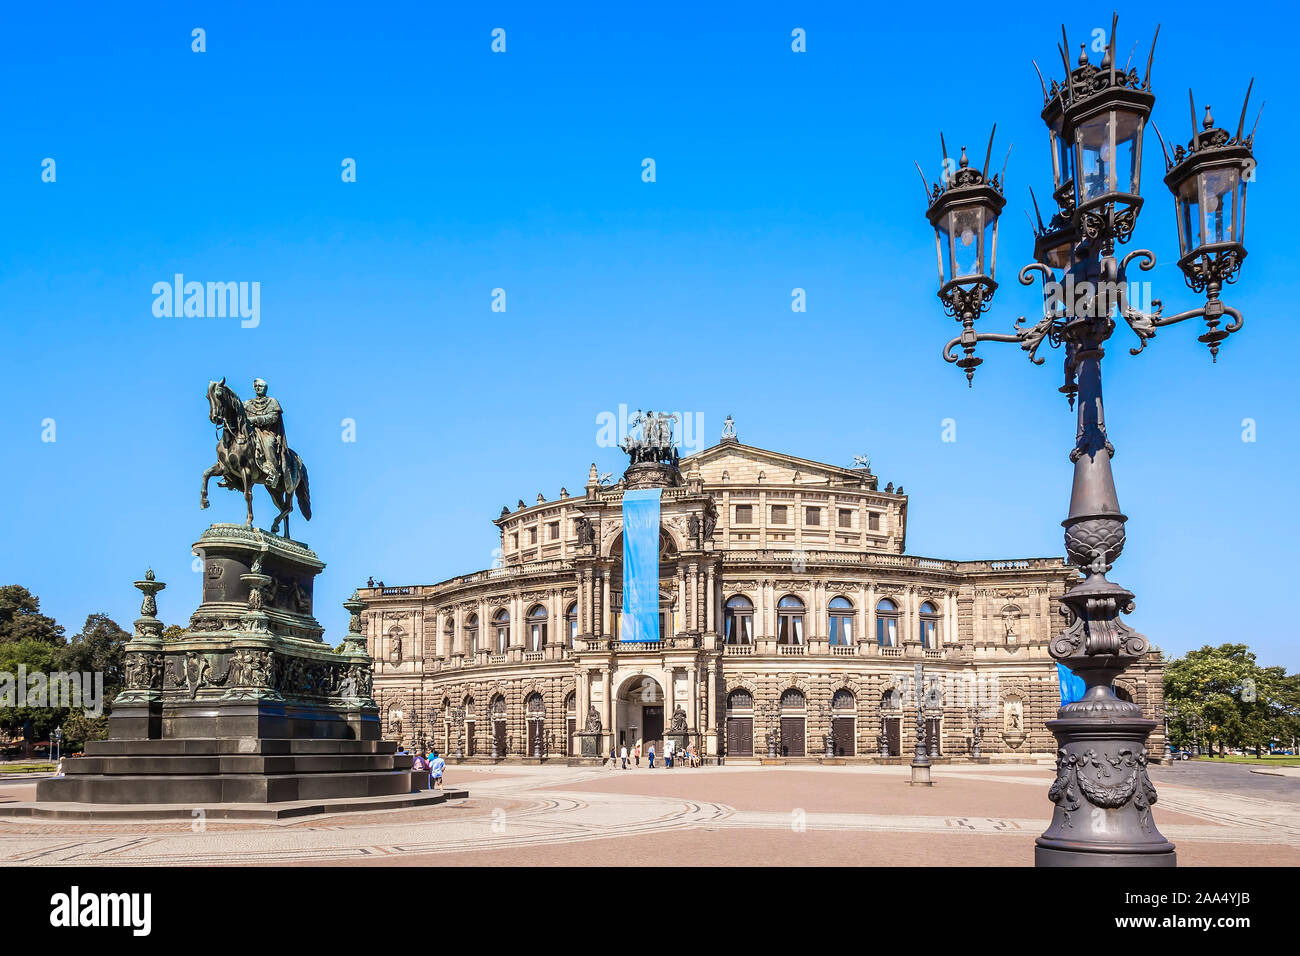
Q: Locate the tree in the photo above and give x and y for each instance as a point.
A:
(98, 648)
(32, 656)
(21, 618)
(1240, 703)
(173, 632)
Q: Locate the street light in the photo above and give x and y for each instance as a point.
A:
(1095, 121)
(58, 742)
(920, 757)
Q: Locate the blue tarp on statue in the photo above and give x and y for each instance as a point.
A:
(641, 565)
(1072, 685)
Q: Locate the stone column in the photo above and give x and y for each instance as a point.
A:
(608, 705)
(692, 697)
(585, 599)
(710, 717)
(681, 598)
(710, 600)
(603, 609)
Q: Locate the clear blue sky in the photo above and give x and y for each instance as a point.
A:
(522, 171)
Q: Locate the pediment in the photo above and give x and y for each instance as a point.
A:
(734, 463)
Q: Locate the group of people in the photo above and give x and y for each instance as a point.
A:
(433, 764)
(687, 757)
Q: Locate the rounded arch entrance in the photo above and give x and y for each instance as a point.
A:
(638, 712)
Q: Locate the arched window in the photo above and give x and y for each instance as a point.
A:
(887, 623)
(571, 623)
(1122, 693)
(571, 703)
(448, 634)
(501, 626)
(536, 628)
(891, 699)
(843, 699)
(469, 708)
(929, 626)
(792, 699)
(738, 620)
(740, 699)
(498, 707)
(471, 635)
(840, 624)
(535, 706)
(789, 620)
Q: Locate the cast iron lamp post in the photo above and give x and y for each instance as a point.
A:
(920, 756)
(1095, 122)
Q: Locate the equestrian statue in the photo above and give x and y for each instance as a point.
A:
(252, 450)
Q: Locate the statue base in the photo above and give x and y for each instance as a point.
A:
(249, 705)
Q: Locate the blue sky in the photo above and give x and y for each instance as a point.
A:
(522, 171)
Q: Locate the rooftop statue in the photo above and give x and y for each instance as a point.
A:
(655, 443)
(252, 450)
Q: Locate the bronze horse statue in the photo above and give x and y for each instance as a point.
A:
(237, 461)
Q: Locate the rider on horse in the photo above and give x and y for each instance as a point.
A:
(267, 419)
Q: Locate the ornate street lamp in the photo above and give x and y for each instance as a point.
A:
(976, 731)
(1095, 121)
(920, 757)
(58, 742)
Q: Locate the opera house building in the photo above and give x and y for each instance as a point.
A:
(791, 625)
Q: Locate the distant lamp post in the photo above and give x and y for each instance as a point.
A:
(1095, 122)
(1197, 723)
(920, 758)
(1168, 712)
(57, 737)
(976, 731)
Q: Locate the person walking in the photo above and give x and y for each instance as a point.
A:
(436, 767)
(623, 754)
(652, 756)
(613, 758)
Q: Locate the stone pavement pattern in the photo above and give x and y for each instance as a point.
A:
(524, 815)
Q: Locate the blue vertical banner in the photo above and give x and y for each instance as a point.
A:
(1072, 685)
(641, 565)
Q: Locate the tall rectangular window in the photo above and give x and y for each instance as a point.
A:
(778, 514)
(744, 514)
(553, 530)
(813, 516)
(873, 520)
(846, 518)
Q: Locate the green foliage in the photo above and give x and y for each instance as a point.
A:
(173, 632)
(35, 656)
(98, 648)
(78, 728)
(1239, 703)
(21, 618)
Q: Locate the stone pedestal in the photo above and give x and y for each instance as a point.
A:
(249, 706)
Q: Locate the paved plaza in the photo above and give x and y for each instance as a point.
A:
(792, 815)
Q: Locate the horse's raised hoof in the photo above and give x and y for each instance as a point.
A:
(203, 502)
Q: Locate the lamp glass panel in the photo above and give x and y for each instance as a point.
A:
(943, 243)
(1218, 194)
(1060, 156)
(1128, 151)
(989, 243)
(966, 229)
(1241, 211)
(1189, 214)
(1058, 256)
(1096, 155)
